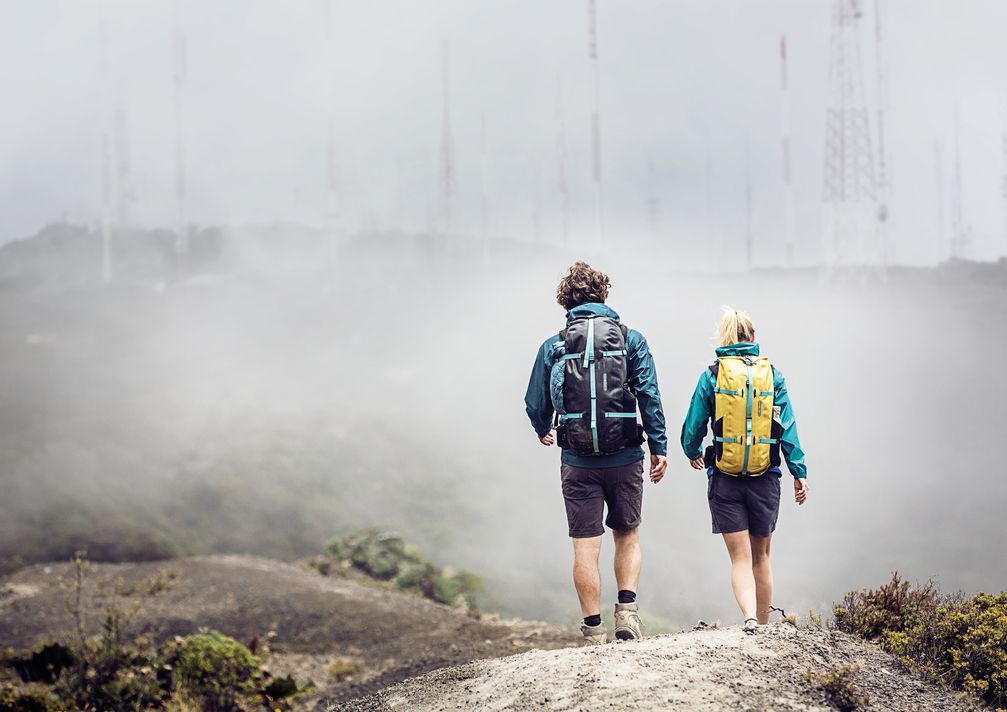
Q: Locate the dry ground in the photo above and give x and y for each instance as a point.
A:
(348, 638)
(719, 669)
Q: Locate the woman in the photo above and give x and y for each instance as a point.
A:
(745, 398)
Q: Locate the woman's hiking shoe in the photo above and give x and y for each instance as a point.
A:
(750, 625)
(594, 634)
(627, 621)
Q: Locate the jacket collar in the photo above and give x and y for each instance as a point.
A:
(742, 348)
(583, 311)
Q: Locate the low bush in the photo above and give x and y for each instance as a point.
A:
(216, 669)
(29, 699)
(958, 641)
(389, 558)
(836, 685)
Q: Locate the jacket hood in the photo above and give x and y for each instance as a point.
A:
(589, 309)
(742, 348)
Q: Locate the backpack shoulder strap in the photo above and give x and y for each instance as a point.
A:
(715, 368)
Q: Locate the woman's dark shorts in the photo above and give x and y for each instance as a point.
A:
(740, 503)
(587, 491)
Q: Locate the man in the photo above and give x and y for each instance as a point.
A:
(591, 377)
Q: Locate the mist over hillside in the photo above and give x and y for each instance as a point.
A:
(278, 391)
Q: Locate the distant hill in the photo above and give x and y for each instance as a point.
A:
(348, 638)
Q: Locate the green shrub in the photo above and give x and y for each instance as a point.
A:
(958, 641)
(41, 665)
(216, 669)
(111, 674)
(30, 699)
(388, 557)
(837, 686)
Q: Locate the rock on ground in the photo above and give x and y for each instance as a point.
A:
(715, 669)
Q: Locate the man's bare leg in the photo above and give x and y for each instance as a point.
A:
(763, 576)
(739, 547)
(586, 576)
(627, 559)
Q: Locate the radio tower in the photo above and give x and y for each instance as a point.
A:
(447, 148)
(179, 73)
(596, 115)
(788, 187)
(564, 189)
(850, 191)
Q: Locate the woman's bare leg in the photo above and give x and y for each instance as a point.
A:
(739, 547)
(763, 576)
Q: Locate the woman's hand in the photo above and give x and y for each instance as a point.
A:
(549, 438)
(800, 490)
(698, 463)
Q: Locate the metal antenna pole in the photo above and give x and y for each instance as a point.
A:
(483, 190)
(180, 70)
(596, 116)
(107, 188)
(939, 177)
(564, 189)
(788, 188)
(959, 232)
(882, 108)
(447, 149)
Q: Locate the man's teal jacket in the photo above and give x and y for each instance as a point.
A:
(642, 379)
(701, 411)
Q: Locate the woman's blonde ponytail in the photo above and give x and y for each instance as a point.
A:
(735, 326)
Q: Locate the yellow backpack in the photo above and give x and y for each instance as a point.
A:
(743, 415)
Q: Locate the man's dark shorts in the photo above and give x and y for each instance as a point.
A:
(587, 491)
(740, 503)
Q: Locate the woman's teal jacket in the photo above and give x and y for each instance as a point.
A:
(701, 411)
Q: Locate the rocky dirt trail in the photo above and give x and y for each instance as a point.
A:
(713, 669)
(350, 639)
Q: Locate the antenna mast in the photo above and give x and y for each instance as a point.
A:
(107, 189)
(179, 74)
(564, 189)
(959, 231)
(788, 188)
(596, 115)
(882, 108)
(447, 148)
(332, 206)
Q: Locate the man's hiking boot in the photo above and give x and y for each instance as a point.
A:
(627, 621)
(594, 634)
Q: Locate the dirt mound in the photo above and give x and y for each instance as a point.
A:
(350, 639)
(719, 669)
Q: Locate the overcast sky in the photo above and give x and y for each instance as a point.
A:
(688, 89)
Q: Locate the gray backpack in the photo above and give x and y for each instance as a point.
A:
(595, 406)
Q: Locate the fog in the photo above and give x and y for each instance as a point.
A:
(309, 368)
(689, 92)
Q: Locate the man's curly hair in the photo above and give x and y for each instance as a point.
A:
(582, 284)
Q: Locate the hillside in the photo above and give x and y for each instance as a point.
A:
(348, 638)
(713, 669)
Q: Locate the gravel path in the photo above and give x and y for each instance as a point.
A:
(719, 669)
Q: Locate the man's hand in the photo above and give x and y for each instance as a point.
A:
(548, 438)
(658, 464)
(698, 463)
(800, 490)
